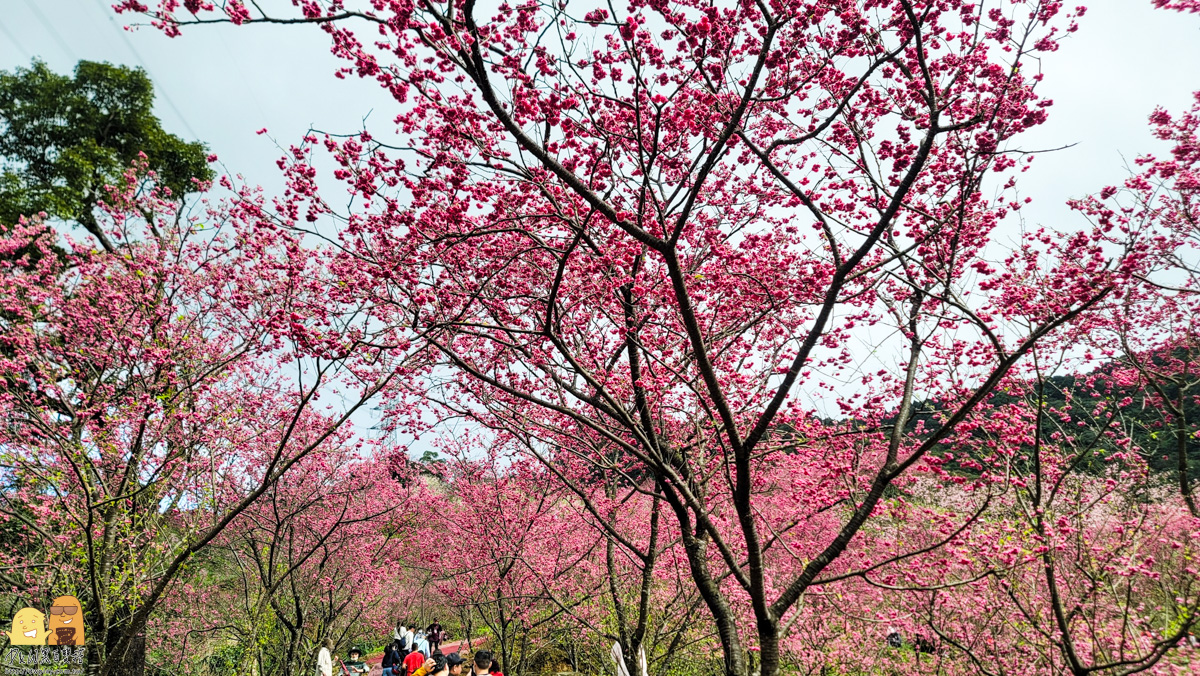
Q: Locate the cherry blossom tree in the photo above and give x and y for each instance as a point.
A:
(532, 560)
(153, 393)
(498, 548)
(317, 556)
(1154, 333)
(1047, 581)
(754, 249)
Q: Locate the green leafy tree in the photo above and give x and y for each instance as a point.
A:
(63, 139)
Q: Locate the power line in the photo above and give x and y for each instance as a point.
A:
(138, 57)
(12, 39)
(241, 72)
(50, 29)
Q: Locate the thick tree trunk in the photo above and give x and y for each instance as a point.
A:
(768, 655)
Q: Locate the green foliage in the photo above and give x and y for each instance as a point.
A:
(62, 139)
(1070, 404)
(225, 659)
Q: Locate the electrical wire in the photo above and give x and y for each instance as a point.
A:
(241, 73)
(13, 39)
(50, 29)
(160, 89)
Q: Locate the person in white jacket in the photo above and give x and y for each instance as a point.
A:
(325, 659)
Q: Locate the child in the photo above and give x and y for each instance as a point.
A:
(354, 664)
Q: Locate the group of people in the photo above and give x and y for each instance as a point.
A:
(353, 664)
(412, 652)
(408, 638)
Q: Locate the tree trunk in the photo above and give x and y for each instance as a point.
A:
(133, 661)
(93, 657)
(768, 656)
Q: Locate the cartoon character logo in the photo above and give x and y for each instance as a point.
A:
(66, 622)
(28, 628)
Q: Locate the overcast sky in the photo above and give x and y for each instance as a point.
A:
(220, 84)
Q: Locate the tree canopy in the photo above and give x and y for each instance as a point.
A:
(728, 347)
(64, 138)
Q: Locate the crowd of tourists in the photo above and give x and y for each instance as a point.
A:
(412, 652)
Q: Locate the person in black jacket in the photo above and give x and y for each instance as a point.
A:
(392, 658)
(433, 633)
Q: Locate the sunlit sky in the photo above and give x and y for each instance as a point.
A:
(220, 84)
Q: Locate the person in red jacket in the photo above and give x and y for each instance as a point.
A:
(415, 660)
